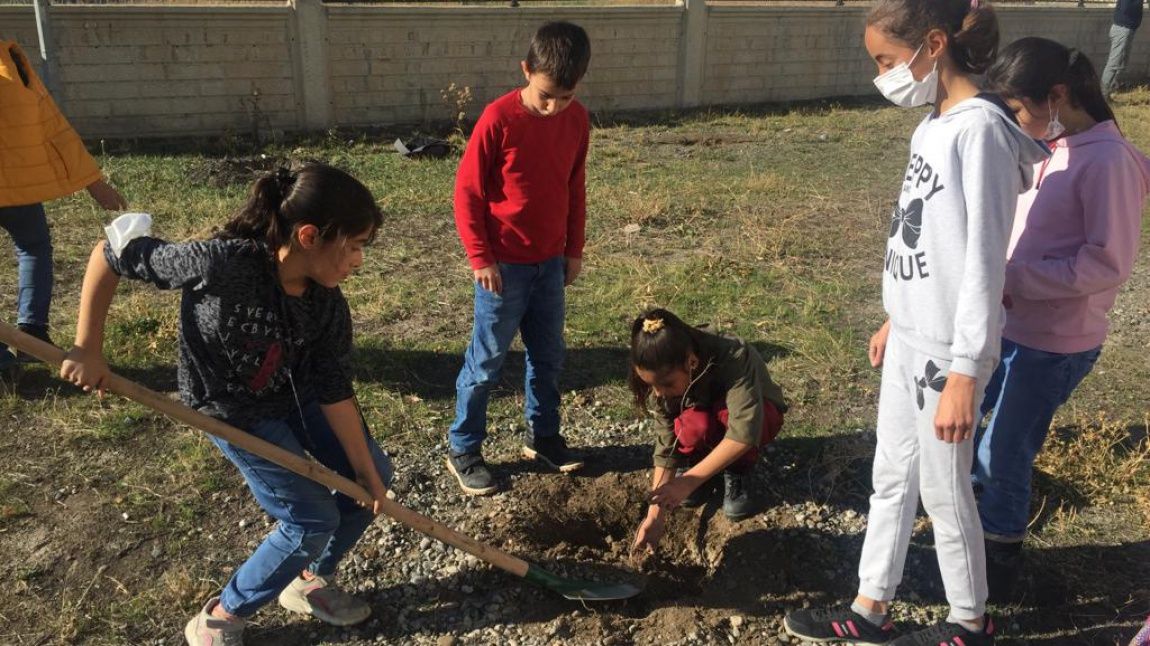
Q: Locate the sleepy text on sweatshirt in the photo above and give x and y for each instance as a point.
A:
(946, 255)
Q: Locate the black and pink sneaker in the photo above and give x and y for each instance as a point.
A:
(947, 634)
(839, 625)
(1143, 636)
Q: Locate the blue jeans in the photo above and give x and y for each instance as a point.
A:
(532, 303)
(28, 227)
(1025, 390)
(316, 527)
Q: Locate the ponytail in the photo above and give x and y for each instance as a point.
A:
(971, 27)
(280, 201)
(1029, 68)
(261, 218)
(660, 342)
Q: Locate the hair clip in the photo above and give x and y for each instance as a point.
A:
(1074, 54)
(651, 326)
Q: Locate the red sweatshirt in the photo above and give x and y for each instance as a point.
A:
(519, 192)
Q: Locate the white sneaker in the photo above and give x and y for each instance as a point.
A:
(206, 630)
(324, 600)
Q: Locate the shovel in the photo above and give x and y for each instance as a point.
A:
(569, 588)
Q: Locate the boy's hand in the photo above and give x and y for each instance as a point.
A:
(954, 419)
(877, 348)
(107, 196)
(573, 267)
(86, 369)
(490, 279)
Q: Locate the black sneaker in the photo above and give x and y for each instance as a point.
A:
(947, 634)
(9, 365)
(737, 501)
(472, 473)
(837, 625)
(38, 331)
(1003, 567)
(700, 495)
(553, 452)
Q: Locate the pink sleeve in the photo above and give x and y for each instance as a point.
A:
(1111, 193)
(471, 208)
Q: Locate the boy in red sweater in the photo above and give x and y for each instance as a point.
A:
(520, 207)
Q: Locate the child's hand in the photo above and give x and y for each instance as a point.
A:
(87, 369)
(490, 279)
(377, 490)
(572, 267)
(647, 538)
(877, 348)
(954, 419)
(107, 196)
(671, 494)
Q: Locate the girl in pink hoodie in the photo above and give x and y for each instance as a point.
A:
(1073, 245)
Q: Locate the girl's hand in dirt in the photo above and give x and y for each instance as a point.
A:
(490, 279)
(877, 348)
(671, 494)
(87, 369)
(954, 419)
(107, 196)
(647, 538)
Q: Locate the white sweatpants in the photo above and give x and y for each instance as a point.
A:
(910, 461)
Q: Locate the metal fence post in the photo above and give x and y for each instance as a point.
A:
(48, 61)
(692, 52)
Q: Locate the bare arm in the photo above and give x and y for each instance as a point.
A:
(85, 365)
(348, 427)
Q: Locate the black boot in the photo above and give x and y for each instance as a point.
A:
(700, 495)
(1003, 567)
(737, 501)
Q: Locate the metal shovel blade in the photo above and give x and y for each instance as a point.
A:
(580, 590)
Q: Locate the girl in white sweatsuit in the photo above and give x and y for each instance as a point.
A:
(942, 290)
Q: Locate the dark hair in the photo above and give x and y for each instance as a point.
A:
(317, 194)
(660, 342)
(1030, 67)
(970, 25)
(562, 51)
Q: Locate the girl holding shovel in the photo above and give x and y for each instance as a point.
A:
(265, 335)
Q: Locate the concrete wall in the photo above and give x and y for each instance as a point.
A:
(168, 70)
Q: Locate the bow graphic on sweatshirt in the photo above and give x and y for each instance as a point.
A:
(911, 220)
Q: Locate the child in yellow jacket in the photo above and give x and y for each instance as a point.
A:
(41, 158)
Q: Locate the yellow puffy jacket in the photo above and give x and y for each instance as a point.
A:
(41, 156)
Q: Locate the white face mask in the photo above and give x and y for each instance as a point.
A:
(1054, 129)
(900, 88)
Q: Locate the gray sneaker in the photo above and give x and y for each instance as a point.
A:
(206, 630)
(472, 473)
(324, 600)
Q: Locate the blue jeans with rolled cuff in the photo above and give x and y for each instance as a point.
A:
(316, 527)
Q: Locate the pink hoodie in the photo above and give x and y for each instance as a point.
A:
(1074, 241)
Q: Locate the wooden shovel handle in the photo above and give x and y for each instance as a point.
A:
(310, 469)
